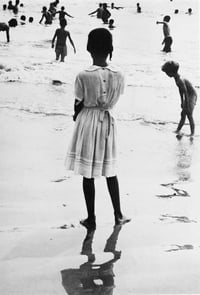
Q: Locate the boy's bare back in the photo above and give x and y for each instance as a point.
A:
(61, 36)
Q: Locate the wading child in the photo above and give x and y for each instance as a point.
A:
(111, 24)
(92, 152)
(61, 36)
(167, 41)
(98, 11)
(47, 16)
(105, 14)
(187, 93)
(62, 13)
(5, 28)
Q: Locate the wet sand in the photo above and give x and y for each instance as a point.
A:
(41, 239)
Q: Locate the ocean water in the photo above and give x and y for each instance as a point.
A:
(28, 67)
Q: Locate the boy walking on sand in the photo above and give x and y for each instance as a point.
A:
(166, 31)
(61, 35)
(187, 93)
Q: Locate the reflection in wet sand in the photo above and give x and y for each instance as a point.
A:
(180, 247)
(92, 278)
(176, 192)
(184, 157)
(174, 218)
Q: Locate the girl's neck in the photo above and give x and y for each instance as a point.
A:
(99, 61)
(177, 77)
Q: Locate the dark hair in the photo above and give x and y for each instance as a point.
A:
(166, 18)
(30, 19)
(100, 42)
(23, 17)
(12, 22)
(62, 7)
(63, 22)
(170, 67)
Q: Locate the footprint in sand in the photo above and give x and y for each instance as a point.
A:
(174, 218)
(61, 179)
(180, 247)
(64, 226)
(177, 192)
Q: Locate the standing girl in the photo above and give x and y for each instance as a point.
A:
(92, 152)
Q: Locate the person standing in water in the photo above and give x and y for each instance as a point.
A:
(105, 14)
(92, 151)
(187, 93)
(46, 15)
(61, 35)
(98, 11)
(5, 28)
(167, 41)
(62, 13)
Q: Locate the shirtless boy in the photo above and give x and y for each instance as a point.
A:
(62, 13)
(46, 15)
(166, 32)
(187, 93)
(61, 36)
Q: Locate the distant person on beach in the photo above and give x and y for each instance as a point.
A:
(111, 24)
(92, 152)
(47, 16)
(13, 23)
(23, 20)
(115, 7)
(4, 6)
(62, 13)
(139, 10)
(5, 28)
(17, 3)
(187, 93)
(53, 7)
(61, 35)
(55, 3)
(31, 19)
(98, 11)
(10, 5)
(189, 11)
(166, 31)
(176, 11)
(105, 14)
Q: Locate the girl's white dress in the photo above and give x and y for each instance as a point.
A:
(92, 151)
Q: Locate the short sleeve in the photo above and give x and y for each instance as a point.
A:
(122, 84)
(78, 88)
